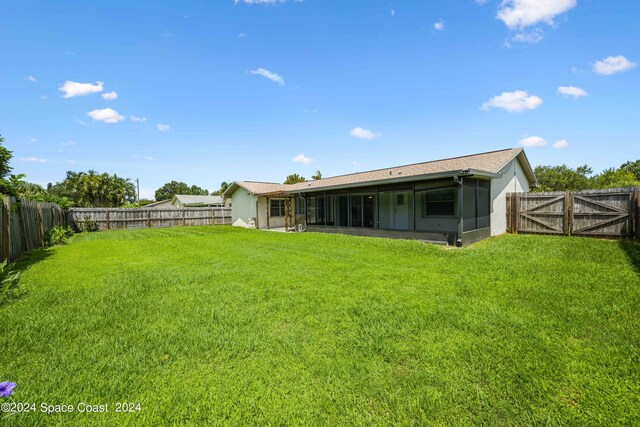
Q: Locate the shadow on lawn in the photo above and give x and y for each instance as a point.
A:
(632, 249)
(10, 290)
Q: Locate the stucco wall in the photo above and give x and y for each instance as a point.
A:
(513, 180)
(243, 205)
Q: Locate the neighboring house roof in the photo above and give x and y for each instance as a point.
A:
(488, 164)
(188, 200)
(154, 204)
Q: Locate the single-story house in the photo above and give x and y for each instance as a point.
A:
(188, 201)
(458, 200)
(162, 204)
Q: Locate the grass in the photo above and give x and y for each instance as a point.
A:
(216, 325)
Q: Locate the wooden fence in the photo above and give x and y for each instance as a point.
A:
(116, 219)
(612, 213)
(24, 224)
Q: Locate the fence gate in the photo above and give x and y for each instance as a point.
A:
(541, 213)
(602, 213)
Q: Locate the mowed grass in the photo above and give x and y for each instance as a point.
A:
(217, 325)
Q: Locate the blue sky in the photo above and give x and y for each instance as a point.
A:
(256, 90)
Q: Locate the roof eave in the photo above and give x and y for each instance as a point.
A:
(447, 174)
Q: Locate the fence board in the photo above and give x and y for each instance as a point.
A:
(118, 219)
(23, 225)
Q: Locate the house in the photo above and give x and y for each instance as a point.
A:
(458, 200)
(188, 201)
(162, 204)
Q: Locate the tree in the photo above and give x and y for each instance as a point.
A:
(318, 175)
(633, 167)
(563, 178)
(91, 189)
(172, 188)
(614, 178)
(293, 179)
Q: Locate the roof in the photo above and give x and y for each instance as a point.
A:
(256, 187)
(187, 200)
(488, 164)
(160, 202)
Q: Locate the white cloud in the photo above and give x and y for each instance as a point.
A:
(524, 13)
(109, 96)
(269, 75)
(72, 89)
(106, 115)
(533, 141)
(354, 163)
(362, 133)
(301, 158)
(33, 140)
(31, 79)
(80, 122)
(531, 37)
(68, 143)
(71, 162)
(563, 143)
(43, 97)
(137, 119)
(612, 65)
(439, 26)
(307, 110)
(576, 92)
(242, 35)
(33, 159)
(162, 127)
(149, 158)
(516, 101)
(393, 12)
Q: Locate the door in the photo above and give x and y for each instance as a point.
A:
(401, 211)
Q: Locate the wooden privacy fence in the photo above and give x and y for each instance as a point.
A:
(24, 225)
(613, 213)
(116, 219)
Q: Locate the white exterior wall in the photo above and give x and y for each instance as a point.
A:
(513, 180)
(274, 222)
(243, 206)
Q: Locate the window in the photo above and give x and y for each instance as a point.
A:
(400, 199)
(439, 202)
(277, 207)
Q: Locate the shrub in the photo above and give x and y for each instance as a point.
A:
(58, 236)
(8, 282)
(87, 224)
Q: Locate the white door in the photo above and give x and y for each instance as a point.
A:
(400, 205)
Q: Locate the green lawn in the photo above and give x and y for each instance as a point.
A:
(217, 325)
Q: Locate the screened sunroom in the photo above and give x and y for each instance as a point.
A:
(439, 209)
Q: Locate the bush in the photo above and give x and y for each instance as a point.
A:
(58, 236)
(87, 224)
(8, 282)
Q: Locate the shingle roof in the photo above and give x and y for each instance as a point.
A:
(257, 187)
(198, 200)
(490, 163)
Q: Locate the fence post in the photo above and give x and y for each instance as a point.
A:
(23, 229)
(567, 213)
(636, 209)
(183, 222)
(41, 221)
(148, 218)
(6, 229)
(516, 213)
(106, 212)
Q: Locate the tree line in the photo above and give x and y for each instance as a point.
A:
(93, 189)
